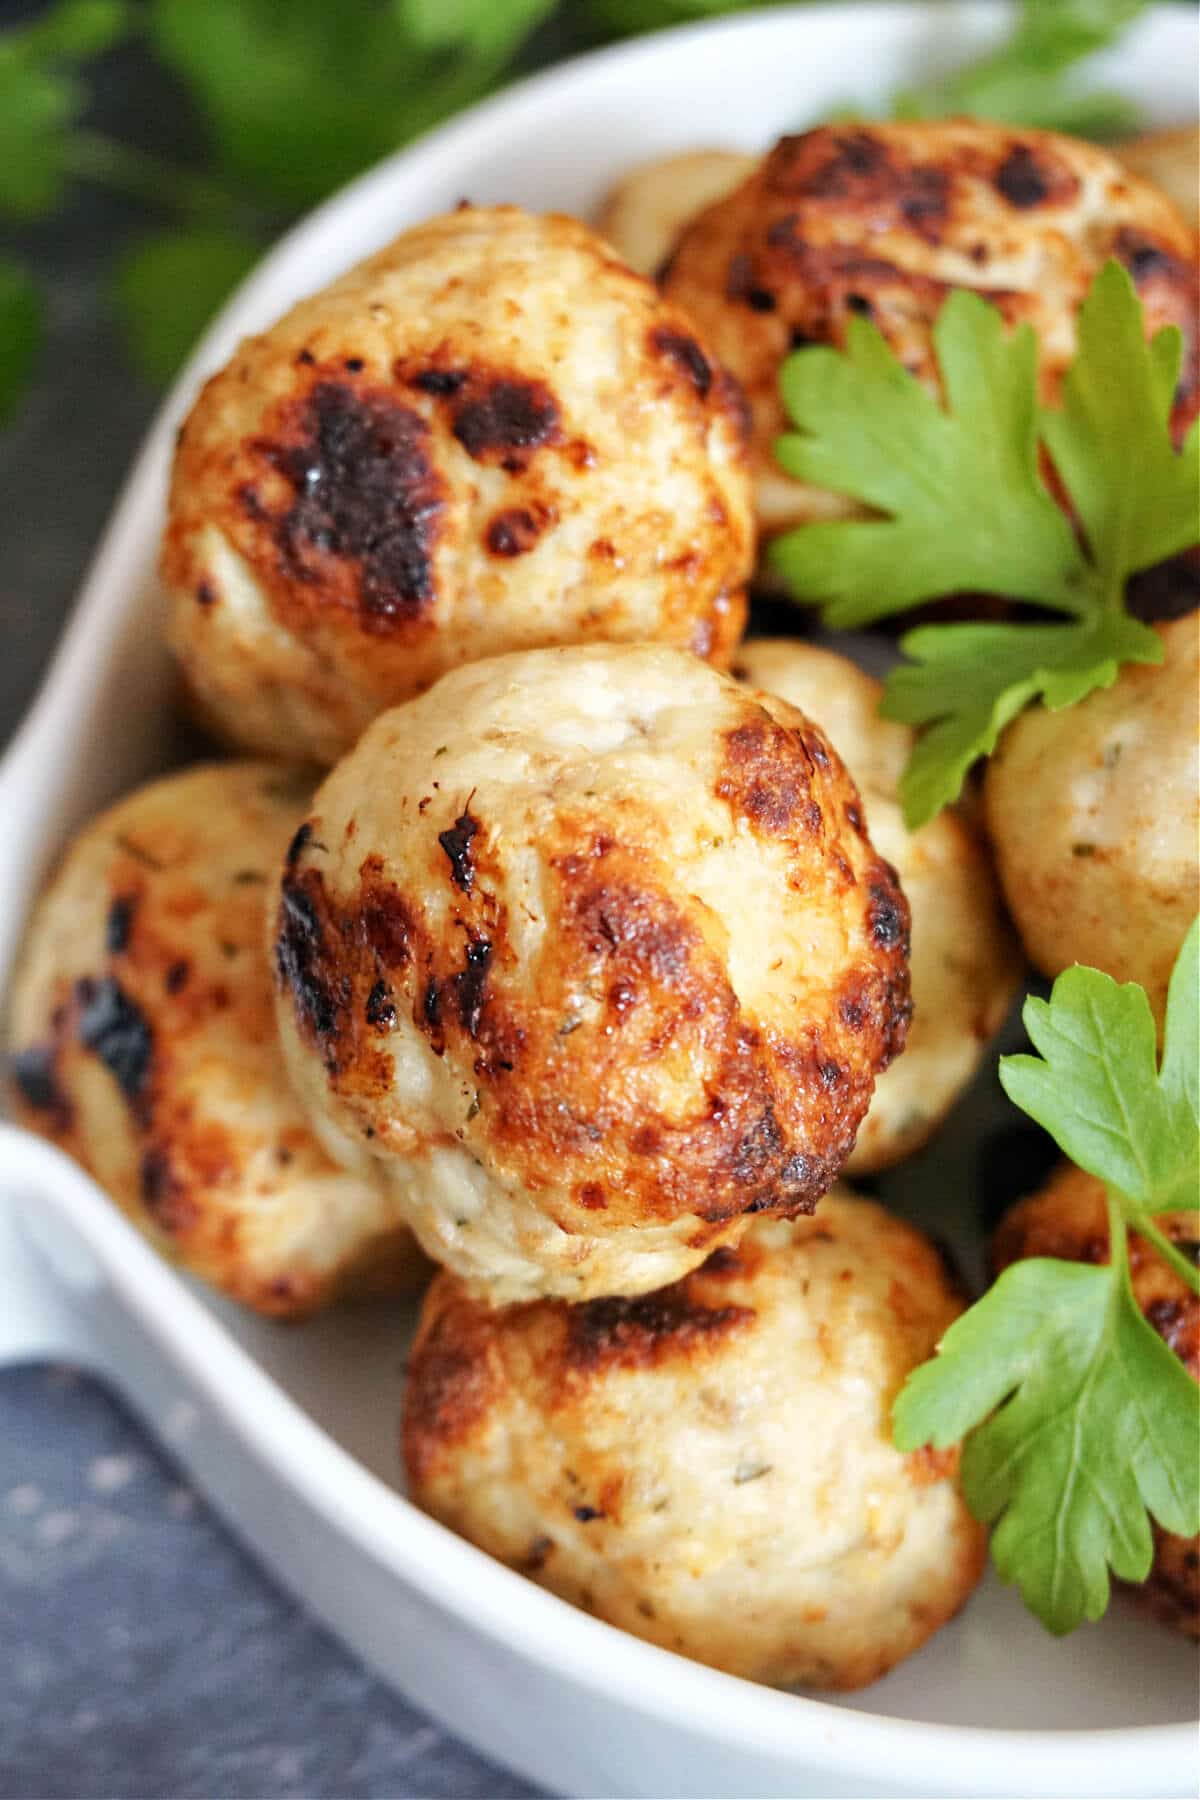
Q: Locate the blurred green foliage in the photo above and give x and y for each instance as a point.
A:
(296, 96)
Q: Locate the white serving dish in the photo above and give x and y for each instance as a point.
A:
(293, 1433)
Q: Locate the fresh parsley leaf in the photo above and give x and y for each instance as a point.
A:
(1097, 1089)
(1077, 1419)
(1021, 82)
(965, 683)
(964, 509)
(1137, 500)
(167, 288)
(1092, 1421)
(20, 332)
(965, 506)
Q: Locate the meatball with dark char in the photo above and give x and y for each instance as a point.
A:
(587, 952)
(710, 1466)
(142, 1041)
(883, 221)
(491, 436)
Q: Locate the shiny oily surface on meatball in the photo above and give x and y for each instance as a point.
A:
(1094, 815)
(711, 1466)
(1068, 1218)
(491, 436)
(142, 1041)
(589, 952)
(884, 221)
(965, 968)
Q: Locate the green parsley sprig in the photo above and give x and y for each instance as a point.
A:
(965, 509)
(1078, 1420)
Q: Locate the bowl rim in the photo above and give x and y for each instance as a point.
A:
(485, 1594)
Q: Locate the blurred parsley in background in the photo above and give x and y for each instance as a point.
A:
(296, 96)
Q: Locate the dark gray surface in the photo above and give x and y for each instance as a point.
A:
(141, 1653)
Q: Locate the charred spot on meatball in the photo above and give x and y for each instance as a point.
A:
(686, 354)
(1026, 179)
(303, 958)
(470, 984)
(515, 531)
(115, 1029)
(365, 489)
(456, 842)
(640, 1332)
(506, 419)
(35, 1074)
(119, 924)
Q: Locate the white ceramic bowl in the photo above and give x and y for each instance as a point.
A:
(293, 1433)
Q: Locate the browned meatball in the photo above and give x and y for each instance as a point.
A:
(1094, 814)
(884, 221)
(1068, 1218)
(711, 1466)
(588, 952)
(489, 437)
(143, 1042)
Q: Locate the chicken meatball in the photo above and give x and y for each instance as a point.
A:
(144, 1044)
(1094, 813)
(1170, 160)
(644, 214)
(589, 952)
(1069, 1219)
(964, 967)
(491, 436)
(711, 1466)
(884, 221)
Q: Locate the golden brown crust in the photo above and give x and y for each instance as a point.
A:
(964, 964)
(618, 1070)
(491, 435)
(1093, 812)
(1068, 1218)
(143, 1043)
(885, 220)
(710, 1466)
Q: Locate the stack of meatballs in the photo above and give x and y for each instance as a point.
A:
(582, 968)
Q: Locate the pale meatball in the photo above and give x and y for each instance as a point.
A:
(589, 952)
(491, 436)
(644, 214)
(711, 1466)
(1171, 161)
(884, 221)
(1069, 1219)
(1094, 814)
(964, 965)
(143, 1042)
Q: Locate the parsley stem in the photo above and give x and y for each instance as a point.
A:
(1146, 1227)
(1118, 1242)
(90, 156)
